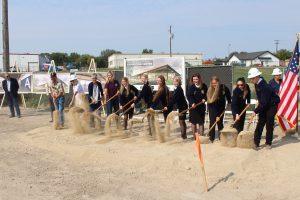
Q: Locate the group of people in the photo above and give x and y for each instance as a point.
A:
(199, 97)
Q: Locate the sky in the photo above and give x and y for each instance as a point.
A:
(212, 28)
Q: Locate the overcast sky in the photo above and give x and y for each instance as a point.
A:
(208, 27)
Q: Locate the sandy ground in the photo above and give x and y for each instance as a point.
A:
(39, 163)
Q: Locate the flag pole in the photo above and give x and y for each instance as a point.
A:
(297, 128)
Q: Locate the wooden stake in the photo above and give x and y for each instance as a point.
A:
(198, 147)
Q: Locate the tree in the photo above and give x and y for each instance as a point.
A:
(59, 58)
(85, 60)
(74, 58)
(284, 54)
(145, 51)
(102, 60)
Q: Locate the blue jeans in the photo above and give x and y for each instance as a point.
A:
(12, 102)
(60, 106)
(114, 103)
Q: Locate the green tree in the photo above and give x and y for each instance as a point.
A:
(102, 60)
(59, 58)
(145, 51)
(84, 60)
(284, 54)
(74, 58)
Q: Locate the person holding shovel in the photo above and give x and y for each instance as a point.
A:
(95, 97)
(162, 96)
(77, 91)
(217, 95)
(57, 93)
(127, 93)
(111, 91)
(240, 98)
(178, 99)
(268, 102)
(147, 95)
(196, 94)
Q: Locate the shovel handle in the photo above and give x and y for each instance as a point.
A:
(198, 104)
(215, 123)
(111, 98)
(124, 106)
(245, 109)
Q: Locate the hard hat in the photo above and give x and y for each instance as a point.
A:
(253, 72)
(276, 71)
(73, 77)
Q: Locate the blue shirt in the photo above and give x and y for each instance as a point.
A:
(275, 85)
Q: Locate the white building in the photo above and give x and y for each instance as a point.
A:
(261, 58)
(26, 62)
(117, 60)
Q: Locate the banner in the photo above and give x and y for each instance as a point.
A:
(24, 79)
(153, 67)
(41, 82)
(84, 78)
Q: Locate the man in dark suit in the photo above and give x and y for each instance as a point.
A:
(11, 87)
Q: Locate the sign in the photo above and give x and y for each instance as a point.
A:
(153, 67)
(41, 82)
(24, 79)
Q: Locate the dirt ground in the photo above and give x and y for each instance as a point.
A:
(39, 163)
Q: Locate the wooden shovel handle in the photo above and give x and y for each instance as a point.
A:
(215, 123)
(111, 98)
(124, 106)
(191, 108)
(245, 109)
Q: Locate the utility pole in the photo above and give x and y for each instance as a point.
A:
(171, 36)
(228, 53)
(5, 36)
(276, 43)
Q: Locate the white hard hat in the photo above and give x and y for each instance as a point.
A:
(253, 72)
(73, 77)
(276, 71)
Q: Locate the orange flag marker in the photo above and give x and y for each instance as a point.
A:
(198, 148)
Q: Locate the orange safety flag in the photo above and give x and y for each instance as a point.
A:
(198, 148)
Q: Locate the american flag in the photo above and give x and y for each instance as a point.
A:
(287, 113)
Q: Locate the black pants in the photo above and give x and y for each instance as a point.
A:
(13, 104)
(239, 125)
(213, 114)
(265, 118)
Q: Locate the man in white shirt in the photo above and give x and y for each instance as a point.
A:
(78, 92)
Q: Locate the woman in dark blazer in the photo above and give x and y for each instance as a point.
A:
(240, 98)
(147, 95)
(162, 96)
(127, 93)
(146, 92)
(179, 100)
(217, 95)
(196, 94)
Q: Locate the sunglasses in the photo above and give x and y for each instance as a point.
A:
(240, 85)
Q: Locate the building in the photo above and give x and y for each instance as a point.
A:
(117, 60)
(259, 59)
(26, 62)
